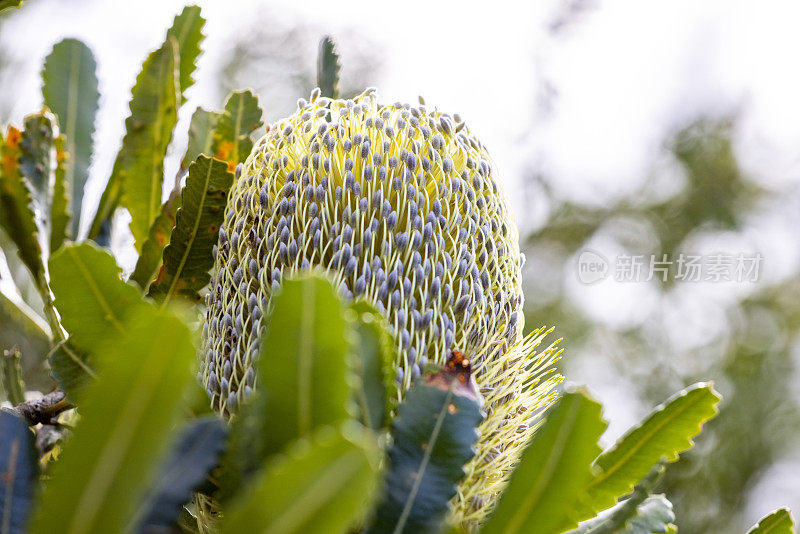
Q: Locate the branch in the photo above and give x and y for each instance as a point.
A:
(41, 410)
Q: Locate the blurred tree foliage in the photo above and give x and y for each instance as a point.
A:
(277, 58)
(750, 357)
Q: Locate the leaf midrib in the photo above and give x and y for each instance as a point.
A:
(192, 236)
(616, 467)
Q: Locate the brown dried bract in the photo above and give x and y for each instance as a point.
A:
(456, 369)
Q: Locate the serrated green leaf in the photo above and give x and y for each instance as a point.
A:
(301, 374)
(328, 68)
(640, 513)
(94, 303)
(322, 484)
(137, 178)
(140, 163)
(372, 365)
(653, 515)
(69, 88)
(667, 432)
(187, 30)
(124, 431)
(778, 522)
(188, 257)
(232, 142)
(545, 488)
(90, 295)
(16, 211)
(186, 469)
(201, 135)
(37, 154)
(149, 261)
(59, 203)
(19, 473)
(433, 437)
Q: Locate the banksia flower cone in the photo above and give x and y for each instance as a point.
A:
(401, 206)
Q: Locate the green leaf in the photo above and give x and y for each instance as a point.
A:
(69, 88)
(201, 135)
(140, 163)
(640, 513)
(778, 522)
(90, 295)
(20, 326)
(71, 369)
(373, 365)
(232, 142)
(19, 473)
(37, 154)
(433, 437)
(11, 379)
(150, 259)
(652, 515)
(16, 211)
(186, 469)
(187, 30)
(59, 205)
(5, 4)
(322, 484)
(188, 257)
(667, 432)
(302, 377)
(328, 68)
(124, 431)
(138, 173)
(544, 489)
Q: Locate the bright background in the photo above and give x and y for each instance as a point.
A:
(635, 118)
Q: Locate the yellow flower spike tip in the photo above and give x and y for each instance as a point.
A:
(400, 205)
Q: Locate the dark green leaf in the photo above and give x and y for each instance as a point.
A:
(232, 142)
(328, 68)
(123, 434)
(778, 522)
(150, 259)
(59, 204)
(37, 154)
(545, 488)
(11, 379)
(16, 210)
(373, 365)
(187, 30)
(69, 87)
(90, 295)
(185, 470)
(667, 432)
(201, 135)
(322, 484)
(302, 377)
(433, 437)
(188, 257)
(19, 473)
(71, 369)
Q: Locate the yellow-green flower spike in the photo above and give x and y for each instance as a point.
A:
(400, 205)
